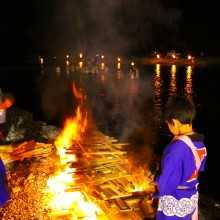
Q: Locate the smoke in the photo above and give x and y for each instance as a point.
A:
(124, 109)
(115, 26)
(57, 99)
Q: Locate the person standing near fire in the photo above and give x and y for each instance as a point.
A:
(176, 187)
(6, 101)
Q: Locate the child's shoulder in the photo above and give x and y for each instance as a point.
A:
(177, 146)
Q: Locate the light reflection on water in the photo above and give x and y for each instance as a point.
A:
(173, 81)
(173, 84)
(189, 83)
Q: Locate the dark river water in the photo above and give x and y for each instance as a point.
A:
(128, 109)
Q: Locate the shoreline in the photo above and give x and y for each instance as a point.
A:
(201, 61)
(32, 63)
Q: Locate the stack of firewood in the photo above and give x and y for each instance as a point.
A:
(26, 149)
(101, 172)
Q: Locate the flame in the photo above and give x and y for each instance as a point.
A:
(68, 198)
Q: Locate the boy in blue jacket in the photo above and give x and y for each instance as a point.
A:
(183, 159)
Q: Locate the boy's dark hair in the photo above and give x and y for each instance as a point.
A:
(180, 108)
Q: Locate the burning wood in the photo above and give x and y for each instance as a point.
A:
(92, 179)
(100, 179)
(99, 173)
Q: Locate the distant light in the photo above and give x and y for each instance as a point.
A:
(189, 57)
(80, 55)
(41, 60)
(132, 63)
(158, 56)
(67, 56)
(80, 64)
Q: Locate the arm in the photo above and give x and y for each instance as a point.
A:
(171, 174)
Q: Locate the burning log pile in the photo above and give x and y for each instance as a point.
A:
(100, 182)
(99, 172)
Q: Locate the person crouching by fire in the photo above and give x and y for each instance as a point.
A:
(183, 159)
(6, 101)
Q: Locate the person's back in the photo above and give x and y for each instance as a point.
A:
(177, 184)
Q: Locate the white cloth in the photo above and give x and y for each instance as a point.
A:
(2, 116)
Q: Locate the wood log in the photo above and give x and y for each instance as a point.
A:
(121, 204)
(30, 145)
(6, 149)
(106, 152)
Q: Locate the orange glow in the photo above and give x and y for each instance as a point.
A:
(189, 72)
(119, 65)
(77, 92)
(80, 64)
(157, 69)
(41, 60)
(119, 74)
(102, 66)
(80, 55)
(68, 200)
(103, 77)
(173, 70)
(72, 202)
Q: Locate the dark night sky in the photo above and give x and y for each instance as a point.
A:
(116, 26)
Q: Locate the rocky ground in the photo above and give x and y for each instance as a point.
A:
(27, 179)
